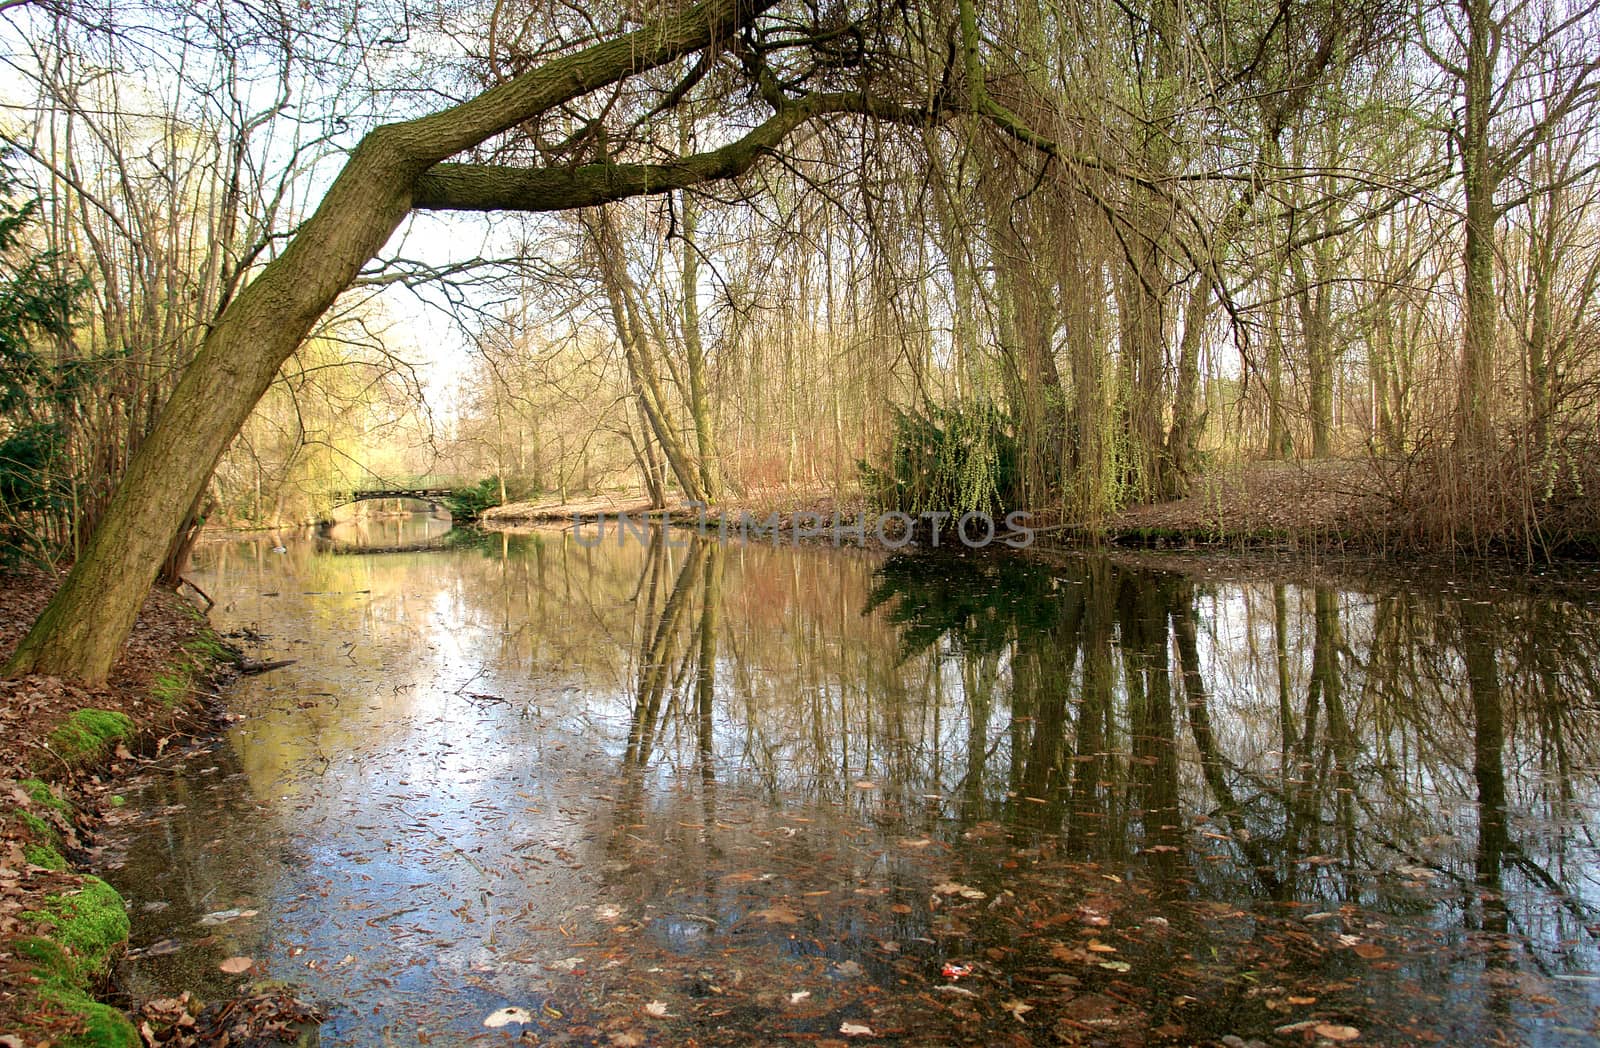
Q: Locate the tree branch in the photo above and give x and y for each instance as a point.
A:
(483, 187)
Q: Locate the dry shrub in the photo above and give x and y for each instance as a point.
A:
(1514, 498)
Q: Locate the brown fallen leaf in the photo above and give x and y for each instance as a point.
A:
(1302, 1000)
(777, 913)
(1336, 1033)
(237, 965)
(1368, 951)
(1017, 1009)
(954, 888)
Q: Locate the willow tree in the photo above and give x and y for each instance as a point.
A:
(394, 169)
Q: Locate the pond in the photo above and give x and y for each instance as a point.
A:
(670, 791)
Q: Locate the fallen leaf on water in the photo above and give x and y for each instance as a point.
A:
(1302, 1000)
(224, 916)
(864, 784)
(1336, 1033)
(1099, 947)
(507, 1016)
(777, 913)
(657, 1009)
(158, 949)
(798, 996)
(1017, 1009)
(952, 888)
(1368, 951)
(1116, 966)
(626, 1039)
(237, 965)
(855, 1030)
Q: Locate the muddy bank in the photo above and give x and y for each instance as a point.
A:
(63, 749)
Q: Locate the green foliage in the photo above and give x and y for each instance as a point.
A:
(87, 733)
(467, 503)
(980, 604)
(38, 393)
(956, 460)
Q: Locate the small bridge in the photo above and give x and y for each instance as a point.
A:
(431, 488)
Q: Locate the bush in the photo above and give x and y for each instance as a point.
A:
(956, 460)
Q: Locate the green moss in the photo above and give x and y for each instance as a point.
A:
(41, 793)
(104, 1026)
(170, 687)
(209, 646)
(61, 985)
(49, 959)
(86, 734)
(91, 923)
(37, 826)
(86, 927)
(200, 652)
(44, 855)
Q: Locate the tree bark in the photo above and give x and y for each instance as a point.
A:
(1474, 411)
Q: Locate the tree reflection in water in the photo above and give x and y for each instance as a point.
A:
(1142, 805)
(1303, 746)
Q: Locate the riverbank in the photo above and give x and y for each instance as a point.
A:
(63, 749)
(1318, 505)
(1356, 506)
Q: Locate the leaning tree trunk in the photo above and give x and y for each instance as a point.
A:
(82, 629)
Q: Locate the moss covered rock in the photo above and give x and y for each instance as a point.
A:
(42, 794)
(83, 930)
(89, 924)
(45, 856)
(88, 734)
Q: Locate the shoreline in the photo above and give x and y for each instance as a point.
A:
(67, 749)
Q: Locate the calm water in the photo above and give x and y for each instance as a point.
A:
(656, 792)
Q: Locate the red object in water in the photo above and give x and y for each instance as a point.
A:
(953, 970)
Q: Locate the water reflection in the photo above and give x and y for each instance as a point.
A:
(777, 789)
